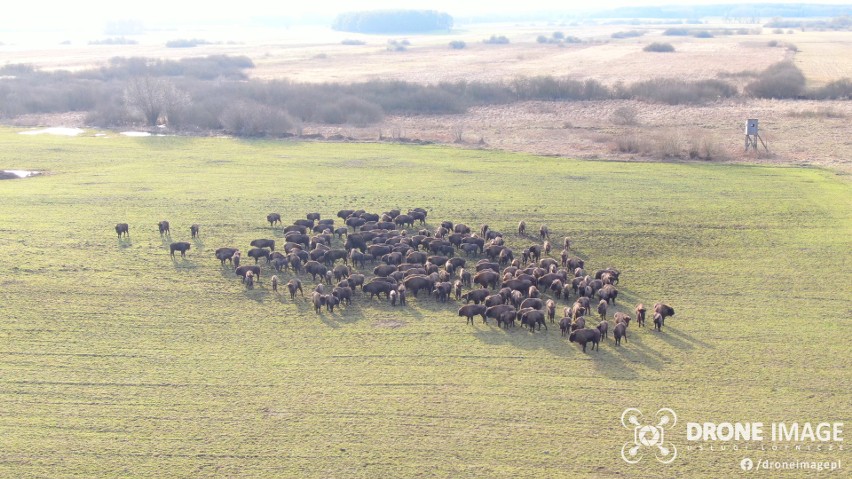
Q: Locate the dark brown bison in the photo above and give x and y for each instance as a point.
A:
(471, 310)
(274, 283)
(658, 321)
(487, 278)
(193, 230)
(565, 325)
(343, 293)
(544, 231)
(493, 300)
(258, 253)
(578, 323)
(532, 319)
(263, 243)
(534, 303)
(522, 228)
(242, 270)
(602, 310)
(164, 228)
(477, 295)
(181, 246)
(664, 310)
(318, 300)
(376, 288)
(619, 331)
(506, 319)
(550, 307)
(343, 214)
(603, 327)
(640, 314)
(586, 335)
(315, 268)
(122, 229)
(313, 216)
(295, 285)
(608, 293)
(273, 218)
(225, 254)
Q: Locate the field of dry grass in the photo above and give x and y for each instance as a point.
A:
(798, 132)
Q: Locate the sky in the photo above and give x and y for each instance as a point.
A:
(86, 13)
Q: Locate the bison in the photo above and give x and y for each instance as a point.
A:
(263, 243)
(471, 310)
(225, 254)
(122, 229)
(295, 285)
(193, 230)
(586, 335)
(640, 314)
(273, 218)
(620, 331)
(164, 228)
(181, 246)
(243, 270)
(664, 310)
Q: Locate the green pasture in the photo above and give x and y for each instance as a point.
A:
(116, 361)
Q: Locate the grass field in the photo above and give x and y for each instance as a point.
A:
(117, 361)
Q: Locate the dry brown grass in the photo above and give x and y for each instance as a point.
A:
(579, 129)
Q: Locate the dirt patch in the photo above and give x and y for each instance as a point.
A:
(389, 323)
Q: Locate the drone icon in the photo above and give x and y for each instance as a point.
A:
(648, 436)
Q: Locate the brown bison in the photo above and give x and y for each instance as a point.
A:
(471, 310)
(522, 228)
(620, 331)
(640, 314)
(664, 310)
(181, 246)
(263, 243)
(295, 285)
(122, 229)
(273, 218)
(193, 230)
(164, 228)
(243, 270)
(586, 335)
(225, 254)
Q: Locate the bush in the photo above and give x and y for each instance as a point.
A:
(836, 90)
(558, 35)
(252, 119)
(781, 80)
(772, 43)
(659, 47)
(676, 32)
(542, 39)
(350, 41)
(677, 92)
(625, 115)
(397, 46)
(186, 43)
(495, 40)
(457, 44)
(702, 34)
(627, 34)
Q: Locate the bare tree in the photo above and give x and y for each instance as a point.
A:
(154, 98)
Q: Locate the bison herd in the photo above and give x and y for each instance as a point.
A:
(448, 262)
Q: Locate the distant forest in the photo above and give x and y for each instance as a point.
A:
(393, 21)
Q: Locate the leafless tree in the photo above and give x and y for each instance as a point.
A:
(154, 98)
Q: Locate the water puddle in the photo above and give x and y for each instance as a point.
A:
(15, 174)
(54, 131)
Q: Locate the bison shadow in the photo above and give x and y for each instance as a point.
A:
(198, 244)
(125, 243)
(256, 294)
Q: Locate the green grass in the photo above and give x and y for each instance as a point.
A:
(117, 361)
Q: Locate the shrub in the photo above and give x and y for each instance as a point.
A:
(677, 92)
(558, 35)
(495, 40)
(659, 47)
(781, 80)
(836, 90)
(571, 39)
(702, 34)
(542, 39)
(625, 115)
(252, 119)
(457, 44)
(186, 43)
(627, 34)
(676, 32)
(351, 41)
(397, 46)
(772, 43)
